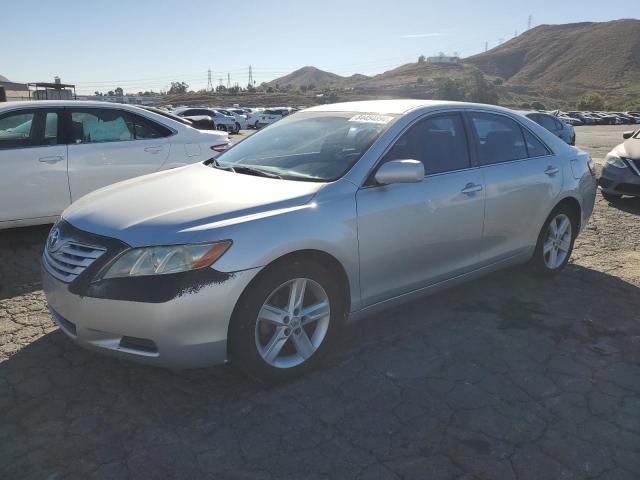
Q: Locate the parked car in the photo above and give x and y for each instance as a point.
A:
(54, 152)
(252, 116)
(621, 171)
(562, 130)
(585, 118)
(201, 123)
(238, 115)
(326, 216)
(271, 115)
(222, 122)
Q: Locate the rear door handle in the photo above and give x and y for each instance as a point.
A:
(471, 188)
(551, 170)
(153, 149)
(51, 159)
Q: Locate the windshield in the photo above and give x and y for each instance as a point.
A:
(311, 146)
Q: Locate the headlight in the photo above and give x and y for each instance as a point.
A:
(615, 161)
(167, 259)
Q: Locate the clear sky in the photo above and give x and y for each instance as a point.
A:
(144, 44)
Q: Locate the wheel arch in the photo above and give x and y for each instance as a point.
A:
(572, 204)
(320, 257)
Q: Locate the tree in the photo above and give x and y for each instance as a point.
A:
(221, 89)
(97, 93)
(451, 89)
(119, 92)
(110, 93)
(498, 81)
(311, 87)
(421, 59)
(303, 88)
(270, 89)
(538, 106)
(591, 101)
(525, 106)
(178, 88)
(480, 91)
(420, 80)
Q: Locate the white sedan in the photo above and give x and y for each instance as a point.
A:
(54, 152)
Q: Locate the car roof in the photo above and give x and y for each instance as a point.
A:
(400, 106)
(63, 103)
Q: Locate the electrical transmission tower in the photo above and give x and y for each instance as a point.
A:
(486, 46)
(250, 82)
(228, 80)
(529, 21)
(209, 82)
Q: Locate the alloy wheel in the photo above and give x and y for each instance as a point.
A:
(292, 323)
(557, 243)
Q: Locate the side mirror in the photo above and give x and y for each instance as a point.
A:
(628, 134)
(400, 171)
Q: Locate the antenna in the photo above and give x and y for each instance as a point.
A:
(209, 82)
(529, 21)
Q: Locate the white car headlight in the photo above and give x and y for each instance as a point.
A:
(166, 259)
(615, 161)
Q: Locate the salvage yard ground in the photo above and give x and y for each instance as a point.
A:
(508, 377)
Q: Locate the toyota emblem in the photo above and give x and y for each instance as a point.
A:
(53, 238)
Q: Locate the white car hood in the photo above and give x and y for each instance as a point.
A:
(174, 206)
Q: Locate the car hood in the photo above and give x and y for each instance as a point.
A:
(628, 149)
(174, 206)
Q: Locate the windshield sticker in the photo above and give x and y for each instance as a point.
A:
(371, 118)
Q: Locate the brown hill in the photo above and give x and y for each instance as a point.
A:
(411, 73)
(602, 56)
(305, 76)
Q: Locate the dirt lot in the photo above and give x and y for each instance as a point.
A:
(505, 378)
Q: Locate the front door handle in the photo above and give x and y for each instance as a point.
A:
(51, 159)
(551, 171)
(153, 149)
(470, 188)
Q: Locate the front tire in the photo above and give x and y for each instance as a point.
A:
(555, 242)
(286, 321)
(222, 128)
(237, 127)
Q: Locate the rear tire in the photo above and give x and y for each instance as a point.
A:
(555, 242)
(222, 128)
(270, 337)
(237, 127)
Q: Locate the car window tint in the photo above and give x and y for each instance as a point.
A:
(17, 130)
(146, 129)
(499, 138)
(438, 142)
(101, 125)
(548, 122)
(534, 146)
(51, 128)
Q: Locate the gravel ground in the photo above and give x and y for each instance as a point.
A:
(508, 377)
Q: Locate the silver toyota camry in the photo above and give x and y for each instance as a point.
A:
(261, 256)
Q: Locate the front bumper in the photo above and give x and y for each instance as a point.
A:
(187, 331)
(620, 181)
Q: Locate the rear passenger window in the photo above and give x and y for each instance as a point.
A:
(438, 142)
(534, 146)
(51, 128)
(499, 138)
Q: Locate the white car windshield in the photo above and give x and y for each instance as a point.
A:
(311, 146)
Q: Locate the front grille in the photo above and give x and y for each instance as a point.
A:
(68, 259)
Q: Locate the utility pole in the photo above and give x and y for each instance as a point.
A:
(515, 34)
(486, 46)
(209, 82)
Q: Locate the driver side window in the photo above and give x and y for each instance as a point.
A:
(439, 142)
